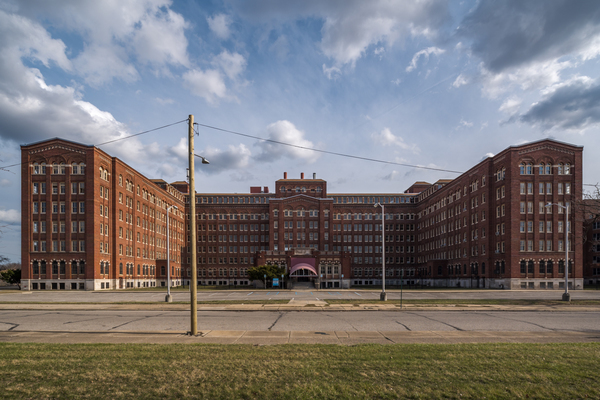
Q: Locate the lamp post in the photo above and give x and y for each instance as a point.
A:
(566, 295)
(168, 298)
(383, 295)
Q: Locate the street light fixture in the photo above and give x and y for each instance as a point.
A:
(383, 295)
(168, 298)
(204, 160)
(566, 295)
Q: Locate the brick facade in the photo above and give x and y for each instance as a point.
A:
(89, 221)
(488, 228)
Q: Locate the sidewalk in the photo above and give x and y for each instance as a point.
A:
(299, 337)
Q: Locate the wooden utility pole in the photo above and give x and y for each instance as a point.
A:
(192, 224)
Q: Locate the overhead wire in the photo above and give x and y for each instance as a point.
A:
(326, 151)
(110, 141)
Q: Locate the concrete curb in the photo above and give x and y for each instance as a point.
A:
(291, 307)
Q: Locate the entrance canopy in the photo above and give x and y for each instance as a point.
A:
(303, 263)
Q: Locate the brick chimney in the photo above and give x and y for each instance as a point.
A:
(285, 175)
(301, 175)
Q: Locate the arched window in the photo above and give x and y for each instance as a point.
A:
(522, 169)
(567, 169)
(529, 169)
(36, 268)
(523, 266)
(54, 267)
(43, 168)
(74, 169)
(530, 267)
(549, 267)
(542, 266)
(36, 168)
(81, 168)
(120, 268)
(560, 169)
(120, 180)
(548, 169)
(542, 169)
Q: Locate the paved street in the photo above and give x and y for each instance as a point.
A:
(142, 296)
(358, 321)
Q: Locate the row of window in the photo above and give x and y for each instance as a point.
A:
(59, 227)
(543, 245)
(59, 169)
(543, 226)
(545, 266)
(59, 188)
(58, 246)
(544, 169)
(544, 188)
(58, 267)
(59, 207)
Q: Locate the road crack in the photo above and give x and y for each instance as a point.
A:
(277, 320)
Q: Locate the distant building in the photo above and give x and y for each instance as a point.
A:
(488, 228)
(89, 221)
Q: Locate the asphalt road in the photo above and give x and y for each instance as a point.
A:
(158, 296)
(359, 321)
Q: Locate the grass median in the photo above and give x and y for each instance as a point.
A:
(498, 371)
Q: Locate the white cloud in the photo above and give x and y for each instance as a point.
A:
(397, 81)
(231, 63)
(331, 73)
(235, 157)
(465, 124)
(460, 81)
(219, 24)
(164, 101)
(387, 138)
(286, 132)
(207, 84)
(10, 216)
(4, 183)
(352, 26)
(425, 55)
(116, 35)
(511, 105)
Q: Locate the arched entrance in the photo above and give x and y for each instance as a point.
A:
(303, 270)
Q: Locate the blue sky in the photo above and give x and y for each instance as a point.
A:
(428, 83)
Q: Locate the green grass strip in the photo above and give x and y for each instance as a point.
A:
(143, 371)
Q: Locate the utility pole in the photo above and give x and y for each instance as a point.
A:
(192, 216)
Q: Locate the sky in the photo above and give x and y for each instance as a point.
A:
(413, 84)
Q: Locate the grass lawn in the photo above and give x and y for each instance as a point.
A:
(478, 371)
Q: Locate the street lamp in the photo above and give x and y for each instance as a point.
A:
(566, 295)
(383, 295)
(168, 298)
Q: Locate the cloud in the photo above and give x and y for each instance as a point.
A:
(331, 72)
(460, 81)
(207, 84)
(10, 216)
(424, 54)
(280, 47)
(116, 35)
(4, 183)
(234, 157)
(286, 132)
(511, 105)
(351, 26)
(513, 33)
(231, 63)
(393, 176)
(219, 24)
(387, 138)
(164, 102)
(464, 124)
(573, 105)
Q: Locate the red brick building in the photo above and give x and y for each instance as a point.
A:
(488, 228)
(89, 221)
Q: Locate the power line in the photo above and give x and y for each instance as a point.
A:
(112, 141)
(328, 152)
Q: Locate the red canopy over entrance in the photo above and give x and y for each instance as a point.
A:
(303, 263)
